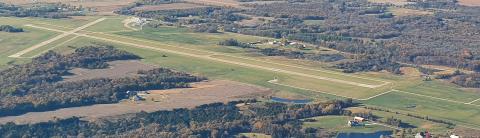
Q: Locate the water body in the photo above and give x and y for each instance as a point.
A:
(365, 135)
(283, 100)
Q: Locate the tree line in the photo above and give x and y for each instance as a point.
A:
(38, 85)
(210, 120)
(10, 29)
(44, 10)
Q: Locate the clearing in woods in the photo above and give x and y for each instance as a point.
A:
(200, 93)
(469, 2)
(227, 3)
(171, 6)
(394, 2)
(103, 6)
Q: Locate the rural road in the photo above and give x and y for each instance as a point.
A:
(64, 34)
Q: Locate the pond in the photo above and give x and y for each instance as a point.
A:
(296, 101)
(365, 135)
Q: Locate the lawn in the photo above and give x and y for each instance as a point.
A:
(442, 90)
(416, 124)
(339, 123)
(109, 25)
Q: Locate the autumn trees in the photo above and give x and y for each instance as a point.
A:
(210, 120)
(11, 29)
(38, 86)
(44, 10)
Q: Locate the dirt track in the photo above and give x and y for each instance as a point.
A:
(201, 93)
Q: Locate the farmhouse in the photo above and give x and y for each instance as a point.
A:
(353, 123)
(423, 135)
(359, 119)
(137, 95)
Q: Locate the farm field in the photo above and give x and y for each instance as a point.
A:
(200, 93)
(99, 5)
(469, 2)
(395, 2)
(231, 3)
(168, 7)
(117, 69)
(180, 49)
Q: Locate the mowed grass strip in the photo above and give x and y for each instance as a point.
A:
(180, 37)
(433, 108)
(441, 90)
(156, 44)
(109, 25)
(476, 102)
(299, 69)
(334, 88)
(50, 46)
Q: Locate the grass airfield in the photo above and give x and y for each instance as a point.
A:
(198, 53)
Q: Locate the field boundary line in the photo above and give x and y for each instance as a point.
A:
(324, 71)
(306, 89)
(474, 101)
(437, 98)
(58, 37)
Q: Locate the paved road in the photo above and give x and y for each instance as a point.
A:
(64, 34)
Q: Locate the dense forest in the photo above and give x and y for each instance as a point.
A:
(45, 10)
(212, 120)
(11, 29)
(379, 38)
(38, 86)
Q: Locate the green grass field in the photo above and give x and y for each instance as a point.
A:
(438, 109)
(204, 45)
(418, 124)
(339, 123)
(11, 43)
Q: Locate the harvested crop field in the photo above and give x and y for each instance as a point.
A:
(99, 5)
(117, 69)
(469, 2)
(394, 2)
(200, 93)
(228, 3)
(172, 6)
(409, 12)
